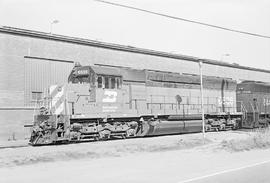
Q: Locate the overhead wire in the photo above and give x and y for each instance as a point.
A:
(183, 19)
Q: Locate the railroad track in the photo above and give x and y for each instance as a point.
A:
(14, 146)
(240, 131)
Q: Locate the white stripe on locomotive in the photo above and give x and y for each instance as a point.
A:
(52, 88)
(60, 109)
(57, 102)
(57, 97)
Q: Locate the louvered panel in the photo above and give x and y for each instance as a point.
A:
(40, 74)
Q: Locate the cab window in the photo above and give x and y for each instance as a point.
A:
(107, 85)
(99, 81)
(109, 82)
(118, 82)
(113, 83)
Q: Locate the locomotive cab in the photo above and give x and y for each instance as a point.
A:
(99, 89)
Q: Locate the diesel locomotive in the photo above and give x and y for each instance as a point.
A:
(103, 102)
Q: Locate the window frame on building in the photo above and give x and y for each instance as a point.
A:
(36, 96)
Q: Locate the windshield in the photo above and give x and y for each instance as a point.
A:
(83, 74)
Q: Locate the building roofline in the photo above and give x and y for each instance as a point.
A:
(76, 40)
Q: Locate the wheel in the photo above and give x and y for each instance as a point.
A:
(96, 138)
(124, 136)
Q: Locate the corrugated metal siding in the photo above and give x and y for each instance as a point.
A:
(40, 74)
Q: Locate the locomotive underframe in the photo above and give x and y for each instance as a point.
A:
(55, 129)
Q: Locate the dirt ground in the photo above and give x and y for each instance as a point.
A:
(157, 159)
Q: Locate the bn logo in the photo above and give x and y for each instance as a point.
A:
(109, 96)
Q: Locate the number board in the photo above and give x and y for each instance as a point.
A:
(82, 72)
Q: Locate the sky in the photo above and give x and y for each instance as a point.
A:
(97, 21)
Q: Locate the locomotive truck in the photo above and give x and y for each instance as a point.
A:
(103, 102)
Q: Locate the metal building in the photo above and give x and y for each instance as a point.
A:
(30, 61)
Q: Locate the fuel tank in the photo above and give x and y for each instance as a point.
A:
(160, 127)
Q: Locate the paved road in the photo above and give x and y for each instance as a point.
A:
(254, 173)
(169, 167)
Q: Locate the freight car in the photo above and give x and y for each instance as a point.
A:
(104, 102)
(254, 98)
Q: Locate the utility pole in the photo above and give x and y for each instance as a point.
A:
(202, 104)
(53, 22)
(223, 56)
